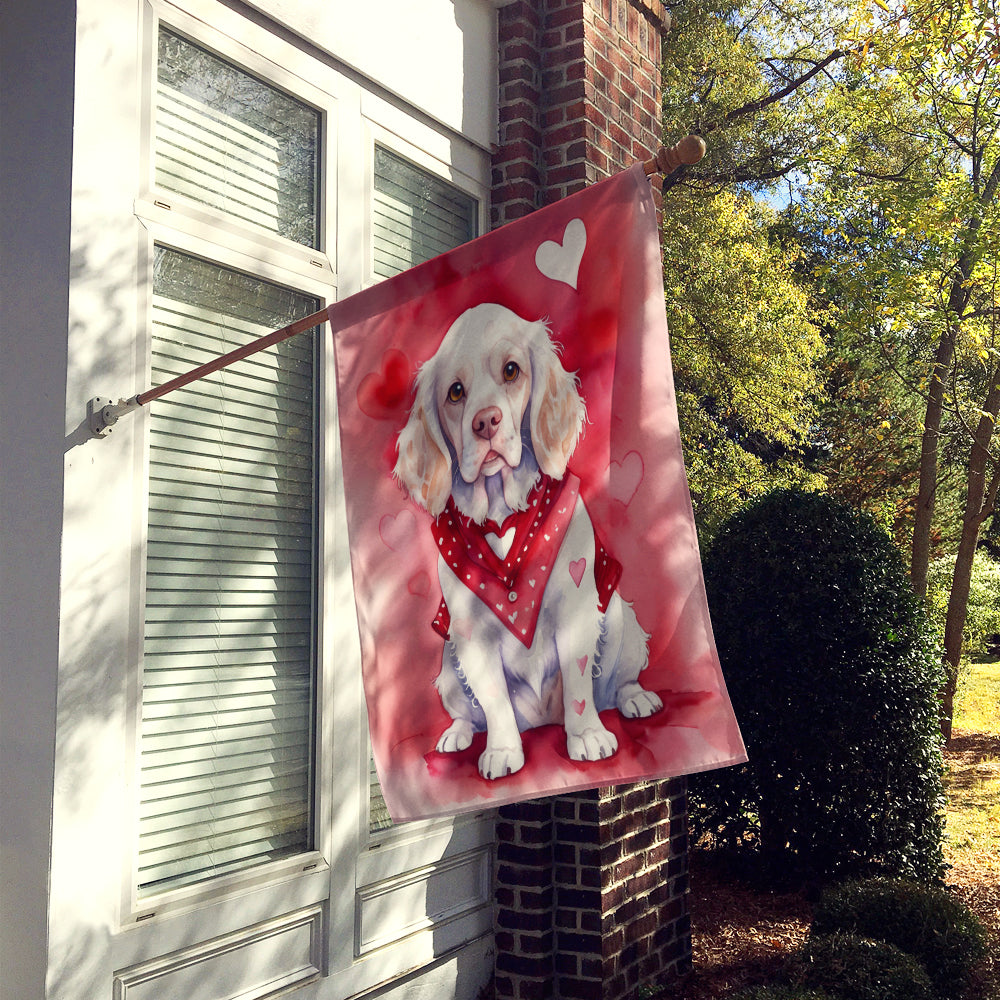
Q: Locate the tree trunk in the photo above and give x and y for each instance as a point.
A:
(980, 498)
(958, 299)
(920, 553)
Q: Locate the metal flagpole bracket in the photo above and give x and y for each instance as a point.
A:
(103, 413)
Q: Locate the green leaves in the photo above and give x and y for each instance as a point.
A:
(833, 673)
(746, 353)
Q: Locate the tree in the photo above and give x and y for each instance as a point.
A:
(914, 188)
(879, 123)
(746, 349)
(746, 355)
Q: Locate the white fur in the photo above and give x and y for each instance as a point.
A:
(481, 433)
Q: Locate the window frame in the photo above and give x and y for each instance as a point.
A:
(177, 223)
(348, 865)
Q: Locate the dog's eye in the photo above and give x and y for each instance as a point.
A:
(510, 371)
(456, 391)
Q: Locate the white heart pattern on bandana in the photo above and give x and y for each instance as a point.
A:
(561, 261)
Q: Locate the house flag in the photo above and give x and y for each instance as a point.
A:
(527, 580)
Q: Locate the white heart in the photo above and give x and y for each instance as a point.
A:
(501, 544)
(561, 261)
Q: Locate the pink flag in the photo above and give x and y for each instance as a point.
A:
(526, 571)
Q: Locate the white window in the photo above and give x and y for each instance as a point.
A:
(228, 685)
(276, 183)
(229, 651)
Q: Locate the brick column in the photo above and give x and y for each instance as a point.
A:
(591, 888)
(579, 96)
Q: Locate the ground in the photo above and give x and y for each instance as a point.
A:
(742, 935)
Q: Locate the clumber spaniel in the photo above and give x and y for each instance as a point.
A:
(535, 631)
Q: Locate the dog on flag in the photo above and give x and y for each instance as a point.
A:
(535, 630)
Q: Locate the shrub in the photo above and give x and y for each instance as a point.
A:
(833, 673)
(782, 993)
(856, 968)
(926, 922)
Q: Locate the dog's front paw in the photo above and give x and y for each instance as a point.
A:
(635, 702)
(591, 744)
(498, 762)
(458, 736)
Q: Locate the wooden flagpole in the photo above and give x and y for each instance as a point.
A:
(102, 413)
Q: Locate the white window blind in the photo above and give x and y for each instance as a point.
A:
(230, 141)
(228, 686)
(416, 216)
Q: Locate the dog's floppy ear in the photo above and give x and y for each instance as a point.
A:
(557, 411)
(423, 464)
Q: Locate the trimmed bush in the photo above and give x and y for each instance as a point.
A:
(856, 968)
(782, 993)
(833, 672)
(925, 922)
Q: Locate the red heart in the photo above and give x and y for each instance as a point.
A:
(384, 393)
(576, 569)
(579, 706)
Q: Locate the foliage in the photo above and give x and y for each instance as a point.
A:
(857, 968)
(878, 126)
(746, 355)
(983, 614)
(780, 992)
(833, 673)
(926, 922)
(747, 76)
(869, 428)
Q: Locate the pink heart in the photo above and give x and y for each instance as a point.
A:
(419, 584)
(579, 706)
(625, 477)
(462, 626)
(582, 664)
(576, 569)
(397, 532)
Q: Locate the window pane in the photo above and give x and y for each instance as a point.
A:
(228, 140)
(228, 659)
(416, 217)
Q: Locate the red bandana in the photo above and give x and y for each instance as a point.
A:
(512, 587)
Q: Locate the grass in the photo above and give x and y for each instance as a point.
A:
(973, 782)
(972, 848)
(978, 698)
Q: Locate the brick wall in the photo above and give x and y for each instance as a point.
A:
(591, 893)
(579, 96)
(591, 888)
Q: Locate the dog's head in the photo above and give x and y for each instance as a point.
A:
(493, 400)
